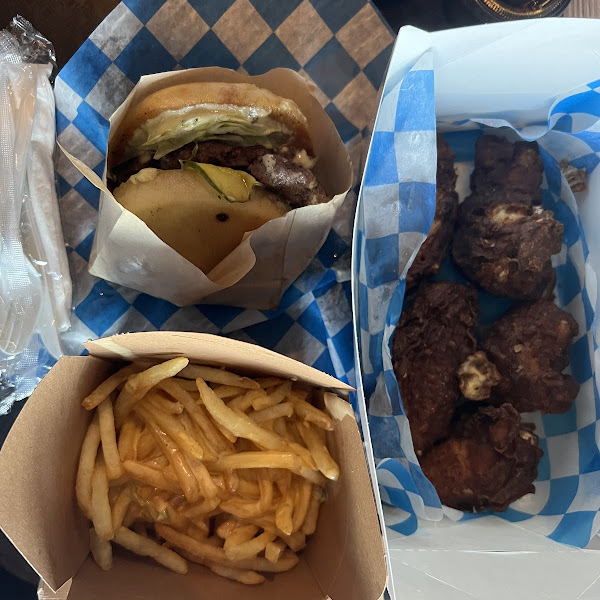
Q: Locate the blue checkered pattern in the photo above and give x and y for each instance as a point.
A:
(395, 210)
(338, 45)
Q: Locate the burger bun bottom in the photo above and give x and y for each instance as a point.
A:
(188, 214)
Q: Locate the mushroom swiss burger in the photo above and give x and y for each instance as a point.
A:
(203, 163)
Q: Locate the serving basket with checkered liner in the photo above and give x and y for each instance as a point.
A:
(395, 210)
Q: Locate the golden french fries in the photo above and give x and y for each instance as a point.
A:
(226, 469)
(146, 547)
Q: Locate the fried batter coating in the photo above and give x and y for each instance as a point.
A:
(434, 336)
(507, 249)
(435, 248)
(530, 346)
(477, 376)
(506, 173)
(504, 241)
(489, 461)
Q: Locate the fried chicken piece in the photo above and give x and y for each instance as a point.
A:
(434, 336)
(504, 241)
(489, 461)
(477, 376)
(530, 346)
(506, 173)
(435, 248)
(507, 249)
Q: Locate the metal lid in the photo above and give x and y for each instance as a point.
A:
(509, 10)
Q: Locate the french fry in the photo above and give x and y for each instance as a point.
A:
(228, 391)
(195, 433)
(201, 549)
(207, 485)
(175, 518)
(296, 541)
(279, 394)
(319, 452)
(101, 513)
(173, 427)
(198, 414)
(284, 512)
(189, 385)
(304, 454)
(85, 471)
(228, 435)
(161, 403)
(119, 509)
(150, 476)
(244, 401)
(311, 413)
(337, 407)
(108, 435)
(302, 500)
(200, 509)
(273, 550)
(126, 443)
(101, 551)
(236, 422)
(250, 548)
(145, 445)
(312, 514)
(244, 509)
(139, 385)
(227, 527)
(146, 547)
(232, 481)
(280, 427)
(218, 376)
(108, 386)
(241, 534)
(185, 475)
(258, 460)
(197, 529)
(267, 382)
(284, 409)
(248, 489)
(246, 577)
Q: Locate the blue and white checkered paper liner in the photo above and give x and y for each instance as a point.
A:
(341, 46)
(395, 211)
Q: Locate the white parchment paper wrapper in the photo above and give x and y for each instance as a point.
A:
(268, 260)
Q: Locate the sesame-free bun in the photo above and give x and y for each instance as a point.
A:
(189, 215)
(189, 95)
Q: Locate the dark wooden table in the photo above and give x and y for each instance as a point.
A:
(68, 23)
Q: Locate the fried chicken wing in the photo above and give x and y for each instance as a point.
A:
(504, 240)
(435, 248)
(530, 346)
(434, 336)
(489, 461)
(507, 249)
(506, 173)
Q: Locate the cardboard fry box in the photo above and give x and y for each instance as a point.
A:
(344, 560)
(268, 260)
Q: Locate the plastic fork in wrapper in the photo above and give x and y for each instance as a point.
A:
(35, 287)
